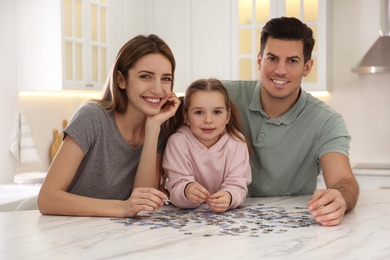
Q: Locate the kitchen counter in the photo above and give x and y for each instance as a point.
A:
(12, 194)
(271, 227)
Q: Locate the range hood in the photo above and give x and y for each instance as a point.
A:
(377, 59)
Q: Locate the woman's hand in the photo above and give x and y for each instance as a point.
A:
(143, 199)
(168, 109)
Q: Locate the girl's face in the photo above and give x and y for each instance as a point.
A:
(207, 116)
(149, 83)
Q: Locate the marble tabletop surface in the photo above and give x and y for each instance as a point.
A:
(266, 228)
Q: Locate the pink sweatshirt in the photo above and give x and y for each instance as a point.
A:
(222, 167)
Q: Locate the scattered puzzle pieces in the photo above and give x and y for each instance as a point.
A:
(250, 220)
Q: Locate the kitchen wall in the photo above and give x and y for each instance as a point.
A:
(45, 113)
(364, 101)
(9, 101)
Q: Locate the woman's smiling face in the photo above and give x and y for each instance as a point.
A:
(149, 83)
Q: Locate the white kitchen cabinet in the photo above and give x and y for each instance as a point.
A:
(368, 179)
(211, 39)
(12, 194)
(198, 32)
(372, 179)
(171, 20)
(207, 37)
(62, 44)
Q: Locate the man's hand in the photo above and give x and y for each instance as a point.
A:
(330, 205)
(327, 206)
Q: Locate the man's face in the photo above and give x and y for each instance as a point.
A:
(282, 68)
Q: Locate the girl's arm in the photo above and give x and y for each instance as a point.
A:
(178, 170)
(239, 176)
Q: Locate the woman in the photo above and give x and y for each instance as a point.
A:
(109, 163)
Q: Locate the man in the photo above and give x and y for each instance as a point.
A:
(293, 135)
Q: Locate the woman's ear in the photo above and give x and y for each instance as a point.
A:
(121, 80)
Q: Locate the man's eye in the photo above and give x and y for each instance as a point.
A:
(271, 58)
(293, 61)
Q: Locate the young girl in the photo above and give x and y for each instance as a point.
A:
(207, 159)
(109, 162)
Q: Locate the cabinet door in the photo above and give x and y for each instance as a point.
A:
(211, 39)
(85, 44)
(39, 44)
(74, 50)
(170, 20)
(61, 44)
(198, 33)
(98, 43)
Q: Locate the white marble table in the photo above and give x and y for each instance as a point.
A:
(364, 234)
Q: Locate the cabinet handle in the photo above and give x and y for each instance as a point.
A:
(89, 85)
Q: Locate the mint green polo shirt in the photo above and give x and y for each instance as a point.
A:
(286, 150)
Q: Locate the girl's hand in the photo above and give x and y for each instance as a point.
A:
(143, 199)
(219, 201)
(196, 193)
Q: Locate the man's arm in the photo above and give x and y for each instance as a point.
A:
(337, 173)
(330, 205)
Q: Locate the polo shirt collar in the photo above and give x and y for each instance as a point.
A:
(287, 118)
(255, 104)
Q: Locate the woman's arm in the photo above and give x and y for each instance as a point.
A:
(55, 200)
(149, 168)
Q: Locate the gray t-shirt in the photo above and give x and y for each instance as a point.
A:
(110, 164)
(287, 149)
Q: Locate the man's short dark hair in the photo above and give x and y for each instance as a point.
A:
(288, 28)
